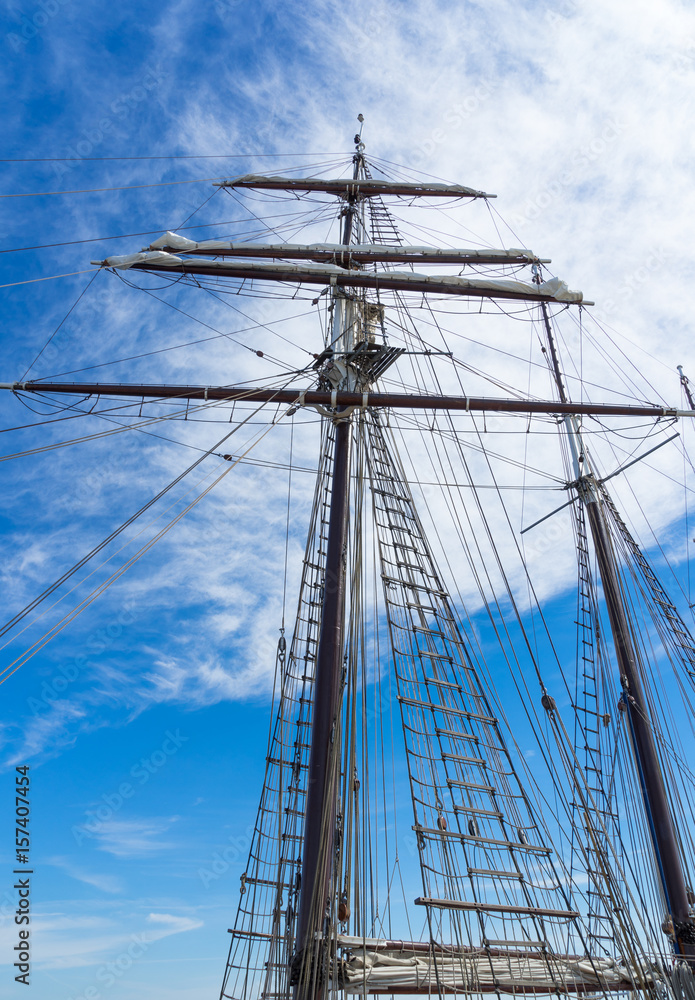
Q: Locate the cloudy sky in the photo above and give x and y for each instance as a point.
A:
(144, 720)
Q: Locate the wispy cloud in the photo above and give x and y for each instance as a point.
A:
(167, 923)
(52, 731)
(102, 881)
(66, 941)
(134, 838)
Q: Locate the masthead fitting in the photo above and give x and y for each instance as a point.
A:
(358, 136)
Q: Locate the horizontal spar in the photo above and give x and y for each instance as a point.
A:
(315, 397)
(344, 256)
(161, 262)
(354, 188)
(492, 985)
(457, 904)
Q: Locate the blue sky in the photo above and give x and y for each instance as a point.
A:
(577, 117)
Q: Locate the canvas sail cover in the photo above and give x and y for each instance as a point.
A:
(552, 288)
(368, 969)
(174, 241)
(355, 187)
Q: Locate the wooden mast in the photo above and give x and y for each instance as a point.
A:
(309, 972)
(660, 821)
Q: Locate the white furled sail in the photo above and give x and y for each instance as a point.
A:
(355, 252)
(332, 274)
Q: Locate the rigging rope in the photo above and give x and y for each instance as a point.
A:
(65, 317)
(114, 534)
(123, 187)
(23, 658)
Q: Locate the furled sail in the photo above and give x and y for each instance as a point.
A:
(553, 289)
(373, 967)
(349, 187)
(356, 253)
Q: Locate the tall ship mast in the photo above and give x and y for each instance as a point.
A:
(393, 750)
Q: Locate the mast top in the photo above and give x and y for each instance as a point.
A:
(685, 382)
(359, 145)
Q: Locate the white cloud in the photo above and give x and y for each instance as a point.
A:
(170, 924)
(100, 880)
(65, 941)
(204, 682)
(55, 726)
(135, 838)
